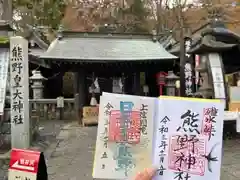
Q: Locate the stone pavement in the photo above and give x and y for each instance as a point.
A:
(231, 160)
(45, 140)
(72, 159)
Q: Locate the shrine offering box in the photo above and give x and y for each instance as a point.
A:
(90, 115)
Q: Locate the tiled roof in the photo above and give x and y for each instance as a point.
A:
(36, 51)
(106, 48)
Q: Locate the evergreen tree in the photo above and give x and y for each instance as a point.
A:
(133, 18)
(38, 13)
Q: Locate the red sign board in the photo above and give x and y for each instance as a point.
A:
(24, 160)
(161, 76)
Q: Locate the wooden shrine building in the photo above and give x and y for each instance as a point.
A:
(131, 61)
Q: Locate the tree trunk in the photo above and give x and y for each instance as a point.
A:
(7, 10)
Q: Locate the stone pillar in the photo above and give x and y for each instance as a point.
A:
(19, 79)
(37, 84)
(171, 79)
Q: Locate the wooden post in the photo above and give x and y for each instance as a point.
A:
(81, 92)
(61, 113)
(136, 83)
(77, 108)
(182, 63)
(76, 96)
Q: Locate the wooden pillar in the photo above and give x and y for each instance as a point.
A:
(75, 82)
(60, 83)
(81, 91)
(136, 83)
(76, 96)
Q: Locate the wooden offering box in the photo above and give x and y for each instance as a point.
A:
(90, 115)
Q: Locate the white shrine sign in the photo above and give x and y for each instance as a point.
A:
(4, 62)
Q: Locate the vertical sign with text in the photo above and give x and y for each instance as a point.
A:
(197, 74)
(217, 72)
(19, 92)
(4, 62)
(187, 72)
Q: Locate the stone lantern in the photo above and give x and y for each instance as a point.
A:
(171, 79)
(206, 88)
(37, 84)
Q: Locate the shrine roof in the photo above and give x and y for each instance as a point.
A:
(215, 40)
(208, 45)
(95, 47)
(36, 51)
(34, 54)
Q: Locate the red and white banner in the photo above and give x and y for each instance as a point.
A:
(23, 164)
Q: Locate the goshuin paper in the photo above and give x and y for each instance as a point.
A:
(188, 138)
(180, 136)
(124, 138)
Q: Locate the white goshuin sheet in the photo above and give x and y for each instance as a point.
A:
(185, 155)
(118, 164)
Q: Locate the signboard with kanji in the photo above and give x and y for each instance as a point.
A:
(20, 126)
(27, 165)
